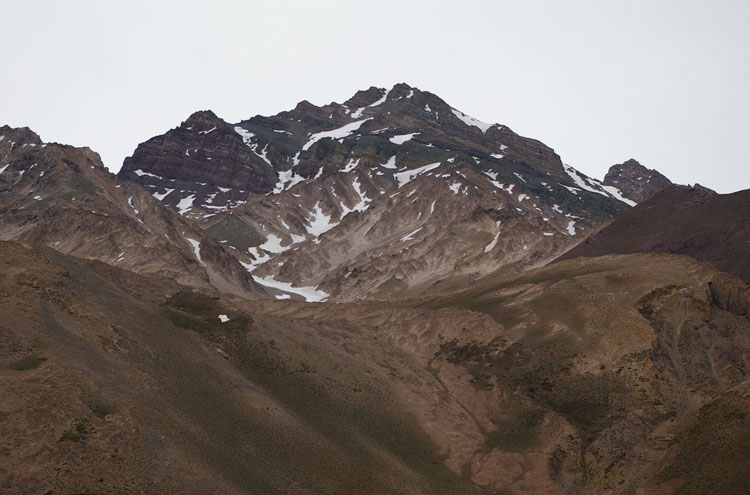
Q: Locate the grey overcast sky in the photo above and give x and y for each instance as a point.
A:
(665, 82)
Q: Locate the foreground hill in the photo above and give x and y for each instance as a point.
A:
(692, 221)
(597, 375)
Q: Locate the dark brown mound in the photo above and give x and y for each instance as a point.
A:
(681, 220)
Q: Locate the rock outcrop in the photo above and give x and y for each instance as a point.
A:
(635, 181)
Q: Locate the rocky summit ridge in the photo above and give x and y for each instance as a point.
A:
(392, 192)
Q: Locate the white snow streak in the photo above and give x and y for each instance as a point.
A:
(140, 173)
(471, 120)
(162, 196)
(407, 176)
(311, 294)
(402, 138)
(185, 204)
(410, 237)
(350, 166)
(391, 163)
(339, 133)
(273, 244)
(196, 249)
(319, 222)
(489, 247)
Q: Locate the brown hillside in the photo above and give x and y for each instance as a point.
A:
(681, 220)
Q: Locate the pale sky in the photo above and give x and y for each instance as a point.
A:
(665, 82)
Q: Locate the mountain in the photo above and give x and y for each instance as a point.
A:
(64, 197)
(634, 181)
(155, 336)
(390, 194)
(693, 221)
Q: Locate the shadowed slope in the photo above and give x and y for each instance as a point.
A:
(681, 220)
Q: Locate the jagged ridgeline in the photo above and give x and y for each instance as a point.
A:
(391, 193)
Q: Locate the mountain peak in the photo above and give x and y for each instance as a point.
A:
(20, 136)
(635, 181)
(202, 120)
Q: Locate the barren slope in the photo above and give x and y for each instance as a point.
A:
(692, 221)
(565, 379)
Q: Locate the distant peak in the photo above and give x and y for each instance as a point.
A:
(632, 162)
(635, 181)
(202, 120)
(403, 90)
(305, 105)
(363, 98)
(20, 135)
(632, 166)
(201, 116)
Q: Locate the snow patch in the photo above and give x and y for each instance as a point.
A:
(471, 120)
(410, 237)
(350, 166)
(162, 196)
(319, 222)
(339, 133)
(402, 138)
(582, 181)
(196, 249)
(262, 155)
(391, 163)
(223, 318)
(141, 173)
(571, 227)
(273, 244)
(246, 135)
(185, 204)
(287, 179)
(363, 204)
(258, 260)
(311, 294)
(407, 176)
(489, 247)
(130, 203)
(381, 100)
(618, 195)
